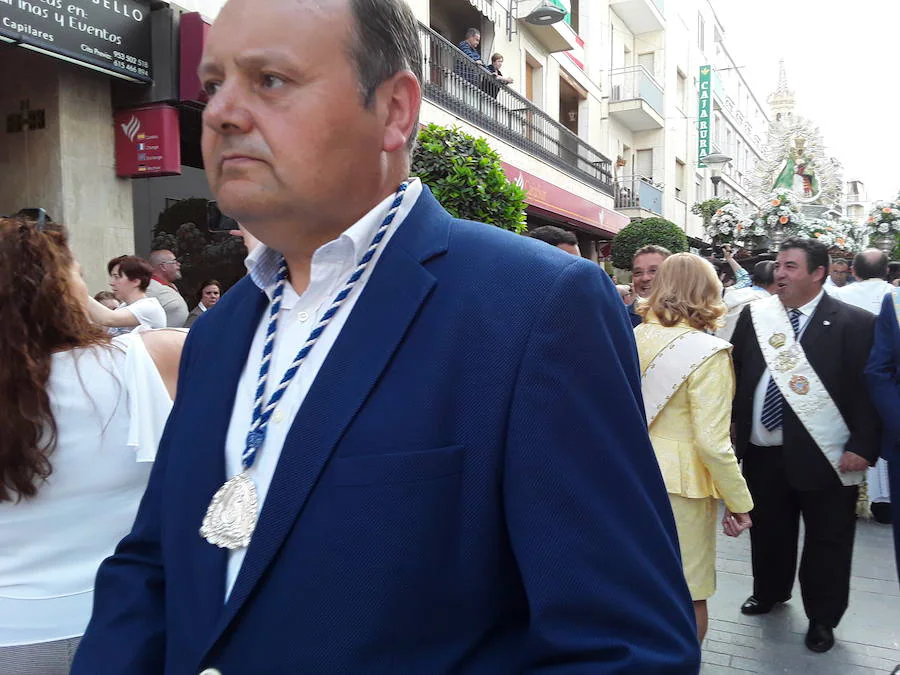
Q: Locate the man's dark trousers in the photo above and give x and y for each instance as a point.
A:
(829, 518)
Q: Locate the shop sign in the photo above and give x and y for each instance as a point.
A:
(703, 115)
(193, 29)
(148, 142)
(112, 36)
(545, 197)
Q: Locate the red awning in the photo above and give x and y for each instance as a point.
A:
(547, 199)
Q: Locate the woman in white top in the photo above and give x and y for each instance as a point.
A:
(129, 277)
(80, 417)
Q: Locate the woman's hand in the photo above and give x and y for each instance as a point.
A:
(735, 523)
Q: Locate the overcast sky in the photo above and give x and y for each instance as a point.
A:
(842, 64)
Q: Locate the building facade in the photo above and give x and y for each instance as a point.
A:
(599, 125)
(657, 127)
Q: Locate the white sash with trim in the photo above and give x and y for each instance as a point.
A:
(672, 365)
(800, 385)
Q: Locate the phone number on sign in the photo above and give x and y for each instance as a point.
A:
(127, 58)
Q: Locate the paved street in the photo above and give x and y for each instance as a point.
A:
(868, 639)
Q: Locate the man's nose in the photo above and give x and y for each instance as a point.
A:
(227, 110)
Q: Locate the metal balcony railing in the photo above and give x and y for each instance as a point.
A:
(455, 82)
(637, 192)
(634, 82)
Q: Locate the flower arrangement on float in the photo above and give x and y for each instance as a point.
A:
(883, 224)
(724, 225)
(841, 235)
(884, 218)
(781, 212)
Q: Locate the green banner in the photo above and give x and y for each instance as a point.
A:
(703, 115)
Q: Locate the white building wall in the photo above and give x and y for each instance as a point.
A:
(678, 50)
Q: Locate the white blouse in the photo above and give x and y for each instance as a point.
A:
(110, 406)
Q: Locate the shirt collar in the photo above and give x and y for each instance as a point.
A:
(810, 307)
(263, 262)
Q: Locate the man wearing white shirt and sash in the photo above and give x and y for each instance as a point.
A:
(806, 431)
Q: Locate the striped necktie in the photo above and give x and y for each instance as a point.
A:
(773, 404)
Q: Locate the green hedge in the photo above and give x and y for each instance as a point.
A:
(466, 177)
(645, 231)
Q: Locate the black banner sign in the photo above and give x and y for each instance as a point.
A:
(108, 35)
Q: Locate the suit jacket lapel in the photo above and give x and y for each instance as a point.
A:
(816, 326)
(398, 287)
(220, 365)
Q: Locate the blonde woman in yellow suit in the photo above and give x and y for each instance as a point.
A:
(688, 385)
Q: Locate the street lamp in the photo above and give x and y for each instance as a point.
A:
(715, 162)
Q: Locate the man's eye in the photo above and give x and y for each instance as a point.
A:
(211, 87)
(272, 82)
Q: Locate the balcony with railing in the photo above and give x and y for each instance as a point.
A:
(462, 87)
(636, 98)
(639, 194)
(641, 16)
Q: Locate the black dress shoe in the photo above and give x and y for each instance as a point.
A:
(819, 637)
(754, 606)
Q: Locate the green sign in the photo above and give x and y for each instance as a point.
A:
(703, 115)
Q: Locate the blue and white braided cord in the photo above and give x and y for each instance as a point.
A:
(263, 411)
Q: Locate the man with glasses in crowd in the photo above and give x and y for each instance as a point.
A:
(166, 271)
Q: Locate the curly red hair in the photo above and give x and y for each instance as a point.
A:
(39, 315)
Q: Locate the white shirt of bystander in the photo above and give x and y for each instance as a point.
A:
(110, 405)
(148, 312)
(867, 294)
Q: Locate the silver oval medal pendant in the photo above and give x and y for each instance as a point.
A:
(231, 517)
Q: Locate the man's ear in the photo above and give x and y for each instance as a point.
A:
(401, 96)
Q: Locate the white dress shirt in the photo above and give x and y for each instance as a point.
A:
(759, 435)
(867, 294)
(332, 264)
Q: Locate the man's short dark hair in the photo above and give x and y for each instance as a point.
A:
(385, 40)
(870, 265)
(651, 248)
(136, 269)
(553, 235)
(472, 32)
(763, 273)
(841, 261)
(816, 252)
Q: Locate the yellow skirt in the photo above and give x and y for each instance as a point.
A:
(695, 520)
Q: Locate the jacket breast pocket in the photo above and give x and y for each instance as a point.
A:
(396, 467)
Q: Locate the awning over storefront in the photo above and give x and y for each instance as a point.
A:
(486, 7)
(547, 199)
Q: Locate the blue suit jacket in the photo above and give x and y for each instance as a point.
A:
(883, 373)
(468, 488)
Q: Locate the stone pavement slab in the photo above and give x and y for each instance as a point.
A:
(868, 639)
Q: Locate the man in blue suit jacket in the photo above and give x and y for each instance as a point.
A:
(464, 482)
(883, 373)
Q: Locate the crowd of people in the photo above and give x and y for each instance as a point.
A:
(774, 337)
(426, 445)
(144, 295)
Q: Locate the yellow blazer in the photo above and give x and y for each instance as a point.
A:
(691, 434)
